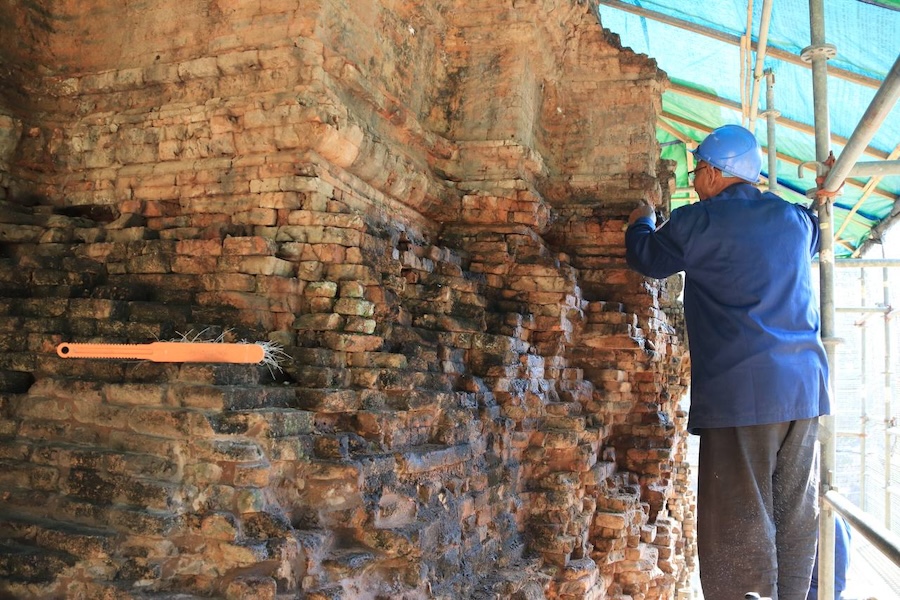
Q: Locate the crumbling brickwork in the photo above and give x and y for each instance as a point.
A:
(422, 203)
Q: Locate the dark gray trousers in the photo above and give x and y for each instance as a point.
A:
(757, 510)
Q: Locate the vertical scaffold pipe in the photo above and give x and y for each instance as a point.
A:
(771, 121)
(818, 54)
(888, 403)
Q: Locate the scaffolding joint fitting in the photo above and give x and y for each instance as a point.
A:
(826, 51)
(832, 341)
(806, 165)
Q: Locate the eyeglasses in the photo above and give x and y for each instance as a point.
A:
(693, 174)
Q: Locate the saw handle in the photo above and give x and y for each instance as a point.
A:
(212, 352)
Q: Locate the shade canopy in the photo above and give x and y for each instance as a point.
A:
(710, 51)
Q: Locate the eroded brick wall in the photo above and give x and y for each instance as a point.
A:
(423, 204)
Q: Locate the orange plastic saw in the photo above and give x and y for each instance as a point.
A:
(213, 352)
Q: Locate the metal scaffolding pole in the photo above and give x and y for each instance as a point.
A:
(876, 168)
(771, 121)
(863, 418)
(765, 19)
(885, 540)
(888, 434)
(862, 263)
(818, 53)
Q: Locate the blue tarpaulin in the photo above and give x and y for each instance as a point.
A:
(710, 59)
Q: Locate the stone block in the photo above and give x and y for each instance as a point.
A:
(354, 307)
(256, 265)
(360, 325)
(136, 394)
(237, 62)
(263, 588)
(198, 68)
(248, 246)
(346, 342)
(319, 322)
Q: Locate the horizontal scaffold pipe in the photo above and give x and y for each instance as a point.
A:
(875, 168)
(859, 263)
(885, 540)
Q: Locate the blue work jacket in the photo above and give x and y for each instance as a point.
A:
(752, 319)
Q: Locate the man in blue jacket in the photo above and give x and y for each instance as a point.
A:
(758, 368)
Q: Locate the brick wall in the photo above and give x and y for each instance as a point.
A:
(422, 204)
